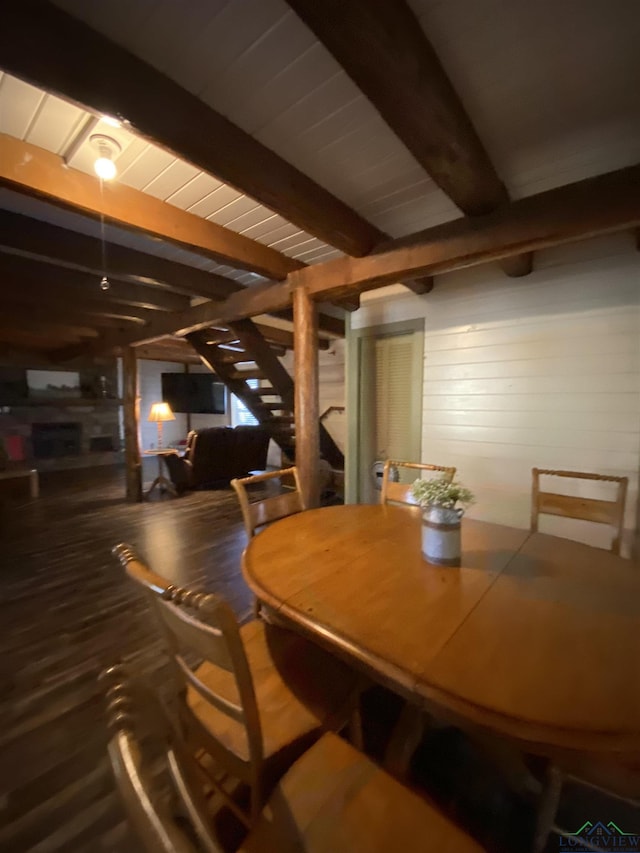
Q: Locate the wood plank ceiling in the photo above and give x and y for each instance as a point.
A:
(333, 165)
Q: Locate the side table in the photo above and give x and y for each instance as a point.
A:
(161, 482)
(31, 473)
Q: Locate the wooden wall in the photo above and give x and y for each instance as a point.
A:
(542, 371)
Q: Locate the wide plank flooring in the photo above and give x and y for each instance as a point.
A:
(68, 611)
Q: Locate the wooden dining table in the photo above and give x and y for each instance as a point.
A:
(533, 637)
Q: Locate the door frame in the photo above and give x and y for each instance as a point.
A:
(356, 339)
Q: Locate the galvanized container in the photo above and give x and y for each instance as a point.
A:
(441, 535)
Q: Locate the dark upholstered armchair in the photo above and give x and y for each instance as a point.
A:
(216, 455)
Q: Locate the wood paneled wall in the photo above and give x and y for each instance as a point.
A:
(543, 371)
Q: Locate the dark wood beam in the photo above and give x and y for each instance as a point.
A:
(601, 205)
(351, 304)
(383, 49)
(30, 323)
(39, 173)
(33, 340)
(16, 307)
(42, 241)
(69, 284)
(327, 323)
(162, 350)
(238, 306)
(283, 337)
(38, 239)
(50, 48)
(604, 204)
(517, 266)
(420, 286)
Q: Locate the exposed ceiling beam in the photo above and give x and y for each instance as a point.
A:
(159, 109)
(164, 350)
(518, 265)
(238, 306)
(420, 286)
(41, 240)
(34, 339)
(55, 331)
(384, 50)
(604, 204)
(36, 172)
(51, 310)
(283, 337)
(50, 48)
(326, 322)
(69, 248)
(600, 205)
(16, 270)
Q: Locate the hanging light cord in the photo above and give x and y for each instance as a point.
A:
(104, 281)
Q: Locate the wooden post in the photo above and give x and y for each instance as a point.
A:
(186, 370)
(307, 406)
(133, 466)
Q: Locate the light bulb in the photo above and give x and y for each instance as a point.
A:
(105, 168)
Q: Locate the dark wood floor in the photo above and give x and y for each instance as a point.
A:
(67, 611)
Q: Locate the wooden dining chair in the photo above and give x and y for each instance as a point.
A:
(260, 512)
(587, 509)
(156, 798)
(263, 511)
(396, 492)
(332, 799)
(260, 697)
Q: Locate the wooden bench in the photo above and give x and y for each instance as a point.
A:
(31, 473)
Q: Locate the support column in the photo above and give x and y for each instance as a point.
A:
(307, 406)
(133, 466)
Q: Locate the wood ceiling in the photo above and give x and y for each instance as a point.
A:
(265, 146)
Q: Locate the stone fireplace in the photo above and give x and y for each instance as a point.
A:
(51, 432)
(50, 440)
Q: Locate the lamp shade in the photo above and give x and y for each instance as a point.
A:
(161, 412)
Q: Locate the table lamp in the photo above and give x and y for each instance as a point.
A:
(160, 412)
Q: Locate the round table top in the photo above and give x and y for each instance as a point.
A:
(533, 636)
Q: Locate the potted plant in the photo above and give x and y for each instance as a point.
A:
(442, 503)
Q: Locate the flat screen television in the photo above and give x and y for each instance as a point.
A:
(194, 393)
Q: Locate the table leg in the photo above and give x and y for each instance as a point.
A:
(164, 484)
(34, 483)
(405, 738)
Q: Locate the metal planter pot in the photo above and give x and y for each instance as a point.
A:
(441, 535)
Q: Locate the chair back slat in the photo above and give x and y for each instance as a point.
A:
(273, 508)
(205, 640)
(257, 513)
(231, 709)
(211, 631)
(397, 492)
(148, 798)
(587, 509)
(149, 814)
(596, 510)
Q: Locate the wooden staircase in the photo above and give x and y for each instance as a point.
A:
(242, 352)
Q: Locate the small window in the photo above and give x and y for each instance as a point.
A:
(240, 415)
